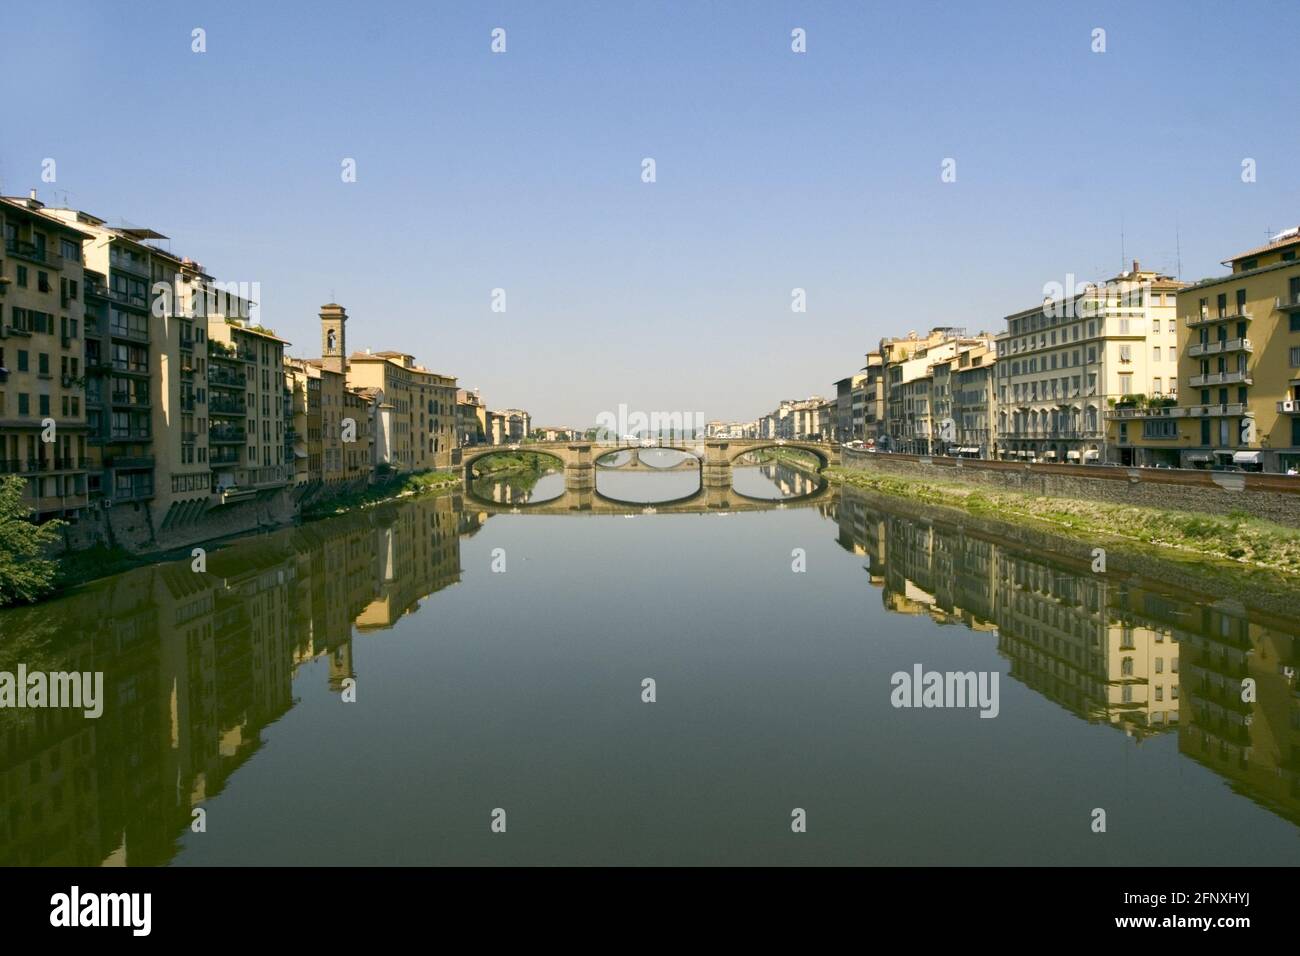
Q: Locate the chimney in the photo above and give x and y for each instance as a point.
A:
(33, 202)
(1136, 268)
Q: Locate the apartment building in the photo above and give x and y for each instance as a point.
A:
(869, 400)
(518, 424)
(471, 418)
(908, 368)
(1063, 363)
(44, 434)
(1239, 365)
(972, 402)
(247, 408)
(415, 424)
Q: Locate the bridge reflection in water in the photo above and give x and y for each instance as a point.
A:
(197, 666)
(1119, 651)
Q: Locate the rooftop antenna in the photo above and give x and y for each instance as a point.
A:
(1178, 251)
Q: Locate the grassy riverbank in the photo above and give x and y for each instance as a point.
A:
(1180, 534)
(402, 486)
(513, 463)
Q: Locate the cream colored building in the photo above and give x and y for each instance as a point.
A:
(1063, 364)
(247, 438)
(415, 425)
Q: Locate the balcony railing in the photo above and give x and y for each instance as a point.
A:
(1221, 378)
(226, 436)
(129, 434)
(1206, 317)
(31, 252)
(134, 401)
(1289, 406)
(224, 378)
(126, 263)
(1215, 348)
(124, 332)
(129, 461)
(1289, 302)
(1217, 411)
(224, 406)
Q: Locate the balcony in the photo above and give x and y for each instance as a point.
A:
(95, 289)
(1134, 412)
(1218, 348)
(1238, 377)
(1217, 411)
(1289, 302)
(128, 400)
(1205, 318)
(189, 438)
(226, 407)
(129, 461)
(221, 435)
(129, 334)
(126, 263)
(220, 378)
(1289, 406)
(21, 249)
(223, 460)
(129, 435)
(10, 466)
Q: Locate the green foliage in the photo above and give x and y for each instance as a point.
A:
(25, 572)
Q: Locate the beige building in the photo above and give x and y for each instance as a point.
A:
(43, 429)
(415, 422)
(1063, 364)
(247, 431)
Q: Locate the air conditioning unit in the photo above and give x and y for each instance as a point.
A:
(1288, 405)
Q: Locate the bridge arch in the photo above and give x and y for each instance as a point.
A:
(822, 453)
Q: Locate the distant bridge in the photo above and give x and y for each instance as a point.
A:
(714, 457)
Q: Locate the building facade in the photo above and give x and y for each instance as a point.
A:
(1063, 364)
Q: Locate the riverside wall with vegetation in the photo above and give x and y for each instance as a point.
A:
(1274, 498)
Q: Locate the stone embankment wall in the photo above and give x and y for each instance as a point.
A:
(1270, 497)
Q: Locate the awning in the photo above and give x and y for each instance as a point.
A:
(1091, 454)
(1198, 457)
(1072, 455)
(299, 454)
(1247, 457)
(1050, 453)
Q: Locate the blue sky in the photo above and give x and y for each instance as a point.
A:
(775, 170)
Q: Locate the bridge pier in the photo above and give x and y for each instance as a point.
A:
(580, 469)
(715, 470)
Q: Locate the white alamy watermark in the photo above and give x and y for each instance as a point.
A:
(75, 908)
(922, 688)
(630, 424)
(79, 690)
(1073, 299)
(231, 300)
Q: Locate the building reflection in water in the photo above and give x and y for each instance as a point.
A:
(195, 666)
(1134, 655)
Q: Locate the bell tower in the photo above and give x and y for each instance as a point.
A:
(333, 337)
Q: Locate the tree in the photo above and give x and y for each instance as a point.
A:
(25, 573)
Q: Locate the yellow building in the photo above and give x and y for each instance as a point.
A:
(1240, 362)
(43, 430)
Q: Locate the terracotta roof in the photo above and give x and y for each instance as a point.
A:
(1268, 247)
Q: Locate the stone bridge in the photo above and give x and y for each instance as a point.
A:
(713, 456)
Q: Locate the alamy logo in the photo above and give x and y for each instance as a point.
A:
(102, 909)
(56, 689)
(624, 424)
(923, 688)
